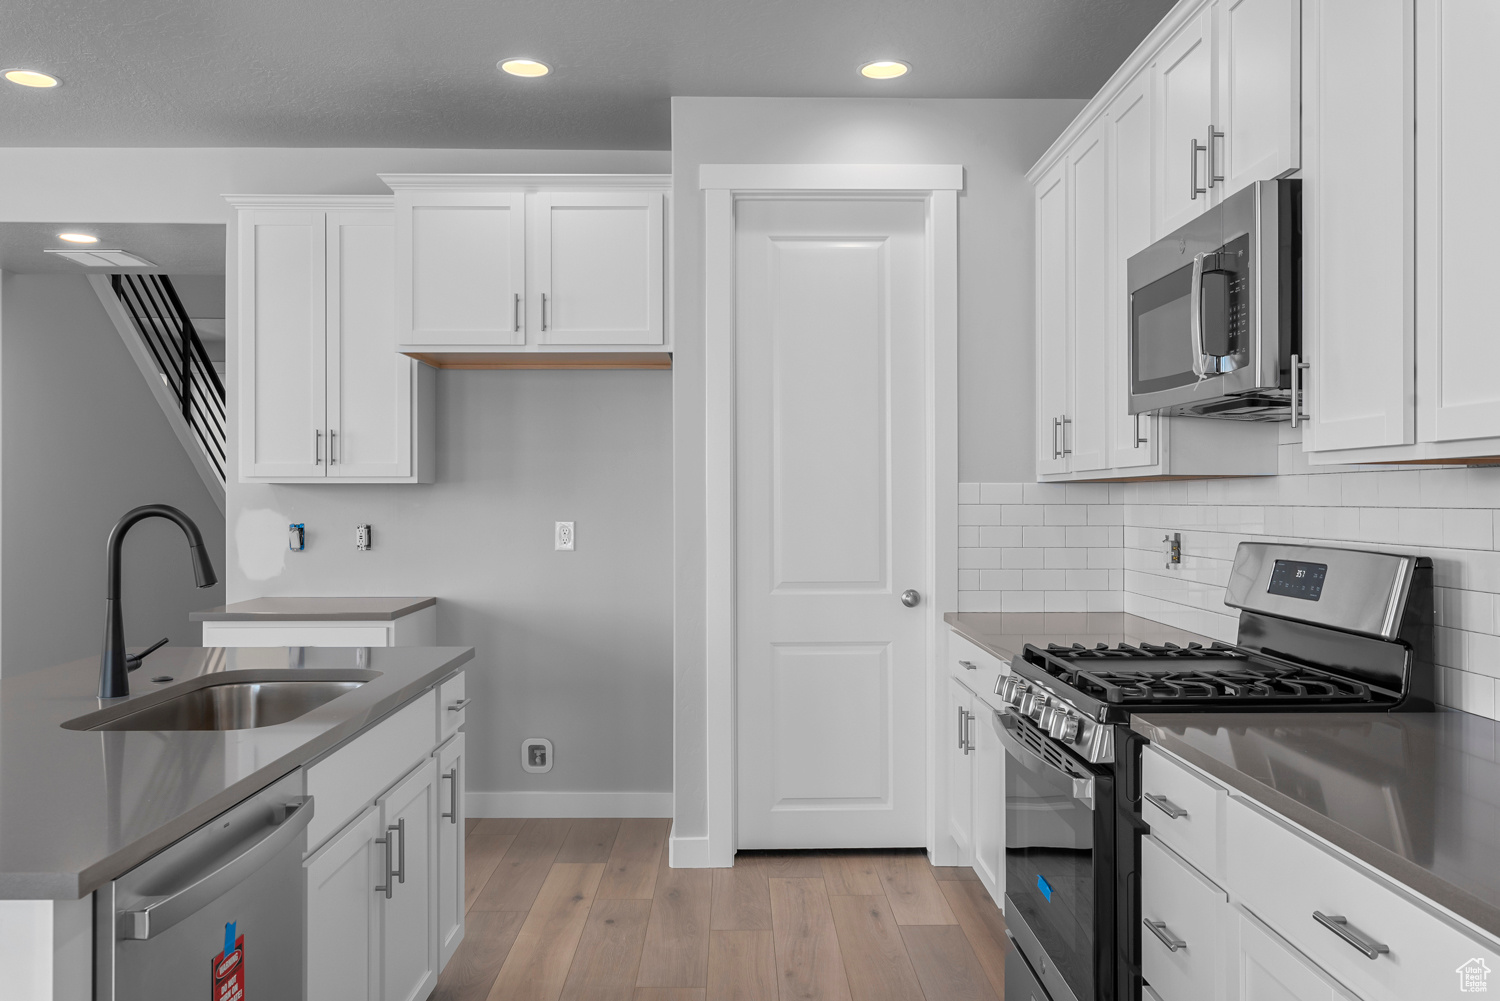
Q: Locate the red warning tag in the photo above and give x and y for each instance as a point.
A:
(228, 971)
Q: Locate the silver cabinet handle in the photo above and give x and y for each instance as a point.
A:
(452, 776)
(317, 447)
(1159, 929)
(1055, 453)
(1339, 925)
(457, 706)
(1066, 422)
(389, 882)
(400, 828)
(1140, 439)
(1213, 175)
(1166, 806)
(515, 312)
(1298, 367)
(968, 665)
(544, 310)
(1194, 148)
(968, 733)
(333, 440)
(167, 911)
(962, 713)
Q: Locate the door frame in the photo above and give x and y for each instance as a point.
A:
(723, 185)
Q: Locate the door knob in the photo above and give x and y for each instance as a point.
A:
(910, 598)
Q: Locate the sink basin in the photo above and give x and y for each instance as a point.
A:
(229, 706)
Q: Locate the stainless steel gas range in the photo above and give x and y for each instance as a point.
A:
(1319, 629)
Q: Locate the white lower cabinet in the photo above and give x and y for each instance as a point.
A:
(450, 848)
(343, 915)
(989, 801)
(1268, 969)
(409, 927)
(960, 770)
(1181, 911)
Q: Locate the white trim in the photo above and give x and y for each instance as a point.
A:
(311, 201)
(723, 183)
(743, 177)
(567, 804)
(552, 182)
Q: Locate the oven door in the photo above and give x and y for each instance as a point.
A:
(1059, 827)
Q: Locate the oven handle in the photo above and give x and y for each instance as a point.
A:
(1195, 319)
(1081, 789)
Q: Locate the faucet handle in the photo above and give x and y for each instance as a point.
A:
(133, 661)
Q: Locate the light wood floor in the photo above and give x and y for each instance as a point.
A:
(588, 910)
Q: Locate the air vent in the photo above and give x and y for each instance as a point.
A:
(103, 258)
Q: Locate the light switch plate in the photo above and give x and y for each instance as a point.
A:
(536, 754)
(562, 537)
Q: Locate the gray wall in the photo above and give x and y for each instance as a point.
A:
(996, 141)
(83, 442)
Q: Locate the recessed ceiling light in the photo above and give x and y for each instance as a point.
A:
(524, 67)
(31, 78)
(78, 238)
(884, 69)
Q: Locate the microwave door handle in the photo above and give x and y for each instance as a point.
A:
(1195, 319)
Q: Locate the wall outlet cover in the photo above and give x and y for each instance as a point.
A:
(536, 754)
(362, 537)
(563, 537)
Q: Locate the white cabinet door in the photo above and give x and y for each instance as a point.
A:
(409, 927)
(1271, 970)
(1051, 318)
(1183, 82)
(282, 366)
(1133, 438)
(960, 771)
(596, 268)
(370, 386)
(1357, 223)
(1457, 351)
(1260, 91)
(460, 267)
(1086, 437)
(450, 848)
(343, 913)
(1182, 916)
(989, 800)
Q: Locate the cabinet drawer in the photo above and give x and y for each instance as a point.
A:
(1185, 811)
(986, 668)
(1187, 911)
(352, 776)
(1284, 879)
(450, 706)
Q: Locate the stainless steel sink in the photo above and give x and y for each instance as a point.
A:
(241, 705)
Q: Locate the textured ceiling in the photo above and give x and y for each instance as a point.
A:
(176, 248)
(411, 73)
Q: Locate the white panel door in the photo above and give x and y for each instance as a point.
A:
(409, 927)
(450, 847)
(282, 364)
(1271, 970)
(1052, 377)
(960, 769)
(1133, 439)
(596, 268)
(989, 799)
(1457, 350)
(831, 462)
(369, 384)
(343, 913)
(1260, 91)
(1183, 82)
(1086, 434)
(460, 267)
(1357, 223)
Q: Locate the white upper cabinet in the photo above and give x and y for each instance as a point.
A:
(1183, 89)
(1052, 318)
(497, 264)
(1086, 437)
(1458, 205)
(596, 263)
(1259, 91)
(323, 395)
(1357, 191)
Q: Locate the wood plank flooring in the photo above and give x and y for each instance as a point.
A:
(588, 910)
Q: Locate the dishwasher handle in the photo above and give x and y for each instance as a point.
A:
(164, 912)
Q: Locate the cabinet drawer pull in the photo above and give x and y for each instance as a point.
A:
(968, 733)
(544, 311)
(1339, 925)
(515, 312)
(1159, 929)
(452, 776)
(389, 882)
(968, 665)
(1166, 806)
(457, 706)
(961, 714)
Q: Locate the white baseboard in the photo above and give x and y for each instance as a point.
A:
(568, 804)
(696, 853)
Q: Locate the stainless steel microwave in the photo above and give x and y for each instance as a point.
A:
(1216, 310)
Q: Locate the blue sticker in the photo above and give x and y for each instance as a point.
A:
(1045, 887)
(229, 934)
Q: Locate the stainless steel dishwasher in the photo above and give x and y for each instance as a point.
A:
(219, 914)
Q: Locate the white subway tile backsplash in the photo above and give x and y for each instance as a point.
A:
(999, 493)
(1000, 580)
(1021, 514)
(1088, 536)
(1065, 601)
(1065, 514)
(1044, 536)
(1000, 536)
(968, 536)
(1065, 559)
(968, 493)
(1045, 580)
(1022, 558)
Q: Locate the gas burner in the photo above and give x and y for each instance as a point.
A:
(1124, 651)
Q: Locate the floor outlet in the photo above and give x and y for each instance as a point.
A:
(536, 754)
(563, 537)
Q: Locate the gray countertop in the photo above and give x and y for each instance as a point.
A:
(80, 807)
(1414, 795)
(309, 609)
(1005, 633)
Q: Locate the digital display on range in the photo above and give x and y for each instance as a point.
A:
(1296, 579)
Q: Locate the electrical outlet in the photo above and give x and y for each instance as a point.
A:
(562, 538)
(1172, 550)
(536, 754)
(296, 537)
(362, 537)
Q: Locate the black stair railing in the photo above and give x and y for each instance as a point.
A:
(168, 333)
